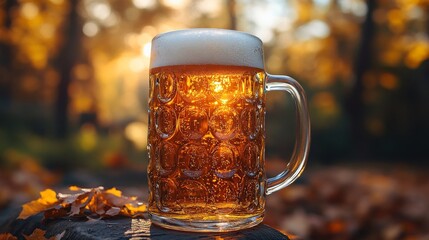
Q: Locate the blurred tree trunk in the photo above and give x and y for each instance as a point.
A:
(356, 108)
(232, 12)
(68, 56)
(6, 54)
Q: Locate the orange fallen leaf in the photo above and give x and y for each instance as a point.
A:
(84, 202)
(74, 188)
(114, 191)
(39, 234)
(47, 200)
(7, 236)
(134, 209)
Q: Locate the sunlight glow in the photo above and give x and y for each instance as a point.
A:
(136, 64)
(313, 29)
(147, 4)
(280, 18)
(210, 7)
(217, 87)
(176, 4)
(356, 7)
(266, 35)
(322, 3)
(146, 49)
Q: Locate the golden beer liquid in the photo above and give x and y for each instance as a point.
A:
(206, 142)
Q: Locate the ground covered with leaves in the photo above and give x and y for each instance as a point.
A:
(83, 202)
(347, 202)
(351, 202)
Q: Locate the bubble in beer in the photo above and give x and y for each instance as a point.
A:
(192, 196)
(165, 195)
(223, 89)
(224, 122)
(225, 196)
(167, 153)
(193, 160)
(250, 122)
(224, 159)
(250, 194)
(165, 121)
(250, 158)
(193, 122)
(250, 88)
(192, 88)
(166, 87)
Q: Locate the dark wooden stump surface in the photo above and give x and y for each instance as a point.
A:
(119, 228)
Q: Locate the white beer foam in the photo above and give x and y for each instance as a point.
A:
(206, 46)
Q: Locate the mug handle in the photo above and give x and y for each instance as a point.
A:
(302, 144)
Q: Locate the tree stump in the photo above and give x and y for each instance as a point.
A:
(120, 228)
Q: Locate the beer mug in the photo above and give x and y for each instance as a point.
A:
(206, 137)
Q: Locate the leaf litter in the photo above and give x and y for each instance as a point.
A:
(92, 203)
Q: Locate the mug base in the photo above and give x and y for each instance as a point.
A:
(192, 225)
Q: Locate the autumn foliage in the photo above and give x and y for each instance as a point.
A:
(83, 202)
(37, 234)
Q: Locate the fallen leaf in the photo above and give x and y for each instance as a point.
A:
(134, 209)
(47, 200)
(56, 213)
(114, 191)
(7, 236)
(113, 211)
(74, 188)
(80, 203)
(39, 234)
(84, 202)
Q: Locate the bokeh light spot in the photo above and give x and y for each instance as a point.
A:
(147, 4)
(136, 132)
(100, 10)
(29, 10)
(388, 81)
(90, 29)
(176, 4)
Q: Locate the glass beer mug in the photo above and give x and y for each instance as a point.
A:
(206, 137)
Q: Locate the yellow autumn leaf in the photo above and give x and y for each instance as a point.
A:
(74, 188)
(114, 191)
(83, 202)
(133, 210)
(47, 200)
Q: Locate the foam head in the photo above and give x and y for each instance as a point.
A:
(206, 46)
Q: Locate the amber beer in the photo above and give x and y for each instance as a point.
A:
(206, 141)
(206, 138)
